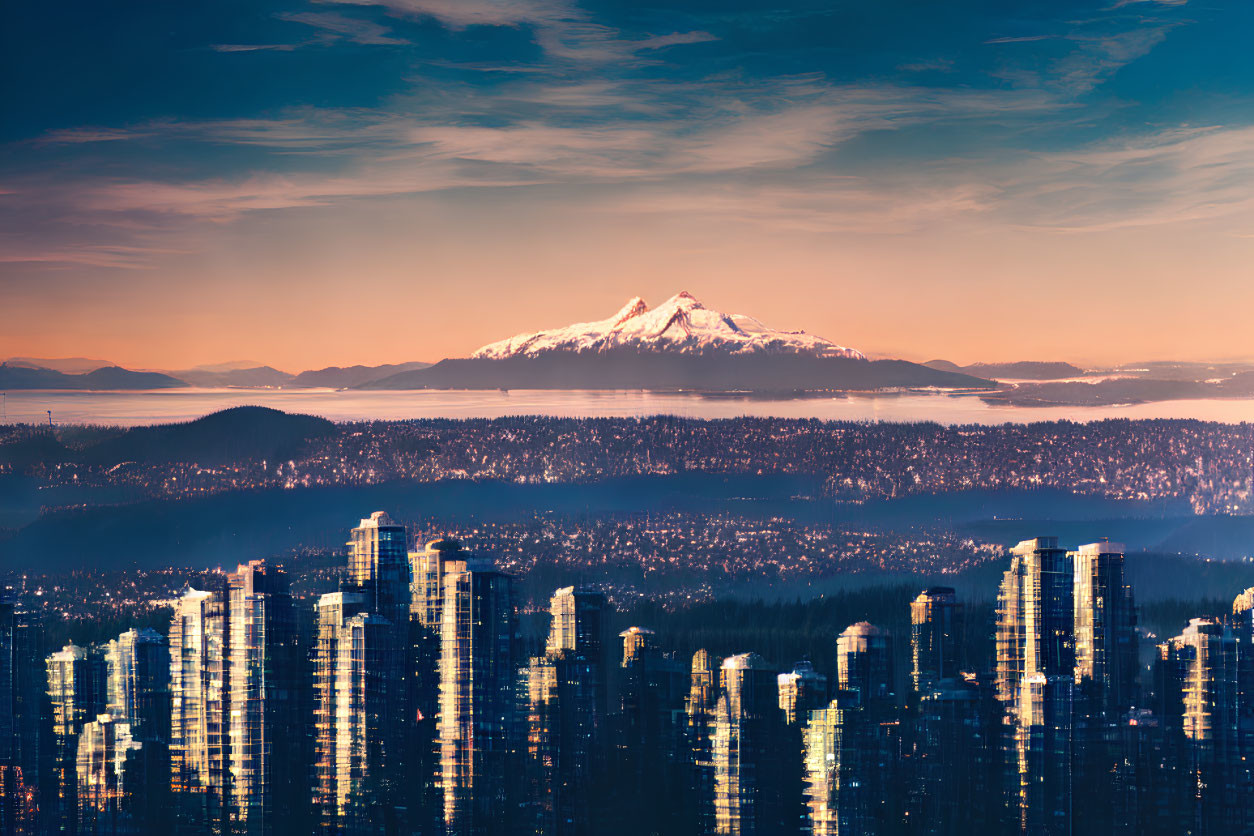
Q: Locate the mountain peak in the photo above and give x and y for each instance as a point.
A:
(635, 307)
(684, 299)
(679, 325)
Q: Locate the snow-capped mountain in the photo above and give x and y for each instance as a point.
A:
(680, 325)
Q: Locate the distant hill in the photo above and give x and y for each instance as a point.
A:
(109, 377)
(68, 365)
(1022, 370)
(255, 376)
(228, 366)
(1122, 391)
(627, 369)
(337, 377)
(232, 435)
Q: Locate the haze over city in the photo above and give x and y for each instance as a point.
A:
(375, 182)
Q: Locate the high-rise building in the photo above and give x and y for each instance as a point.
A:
(577, 623)
(111, 780)
(1199, 675)
(1106, 666)
(699, 707)
(955, 765)
(1105, 632)
(378, 565)
(266, 729)
(1036, 681)
(359, 737)
(137, 670)
(332, 778)
(76, 693)
(837, 786)
(637, 641)
(864, 663)
(566, 707)
(24, 715)
(751, 768)
(935, 636)
(477, 723)
(199, 695)
(801, 690)
(428, 569)
(1043, 736)
(651, 762)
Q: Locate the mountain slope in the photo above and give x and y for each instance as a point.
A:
(624, 369)
(681, 324)
(680, 345)
(1021, 370)
(109, 377)
(337, 377)
(254, 376)
(68, 365)
(232, 435)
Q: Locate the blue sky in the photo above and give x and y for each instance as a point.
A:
(902, 176)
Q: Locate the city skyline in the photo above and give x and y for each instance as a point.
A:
(239, 723)
(905, 180)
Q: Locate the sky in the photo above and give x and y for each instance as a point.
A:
(372, 181)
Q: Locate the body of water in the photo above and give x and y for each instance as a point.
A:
(161, 406)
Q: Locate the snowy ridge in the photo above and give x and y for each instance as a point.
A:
(681, 324)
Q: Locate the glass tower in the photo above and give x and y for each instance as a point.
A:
(935, 634)
(199, 641)
(750, 764)
(1036, 680)
(266, 729)
(477, 700)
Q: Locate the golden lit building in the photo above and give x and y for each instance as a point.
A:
(477, 700)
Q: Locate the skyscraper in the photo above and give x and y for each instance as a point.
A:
(477, 723)
(378, 565)
(637, 642)
(76, 693)
(137, 670)
(935, 627)
(751, 768)
(332, 777)
(359, 738)
(111, 780)
(801, 690)
(955, 765)
(428, 569)
(836, 784)
(199, 690)
(703, 693)
(1199, 676)
(1036, 680)
(1105, 632)
(24, 716)
(266, 730)
(1105, 678)
(864, 663)
(566, 713)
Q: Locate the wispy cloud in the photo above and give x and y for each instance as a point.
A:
(114, 256)
(460, 14)
(561, 29)
(336, 26)
(1020, 39)
(253, 47)
(1174, 177)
